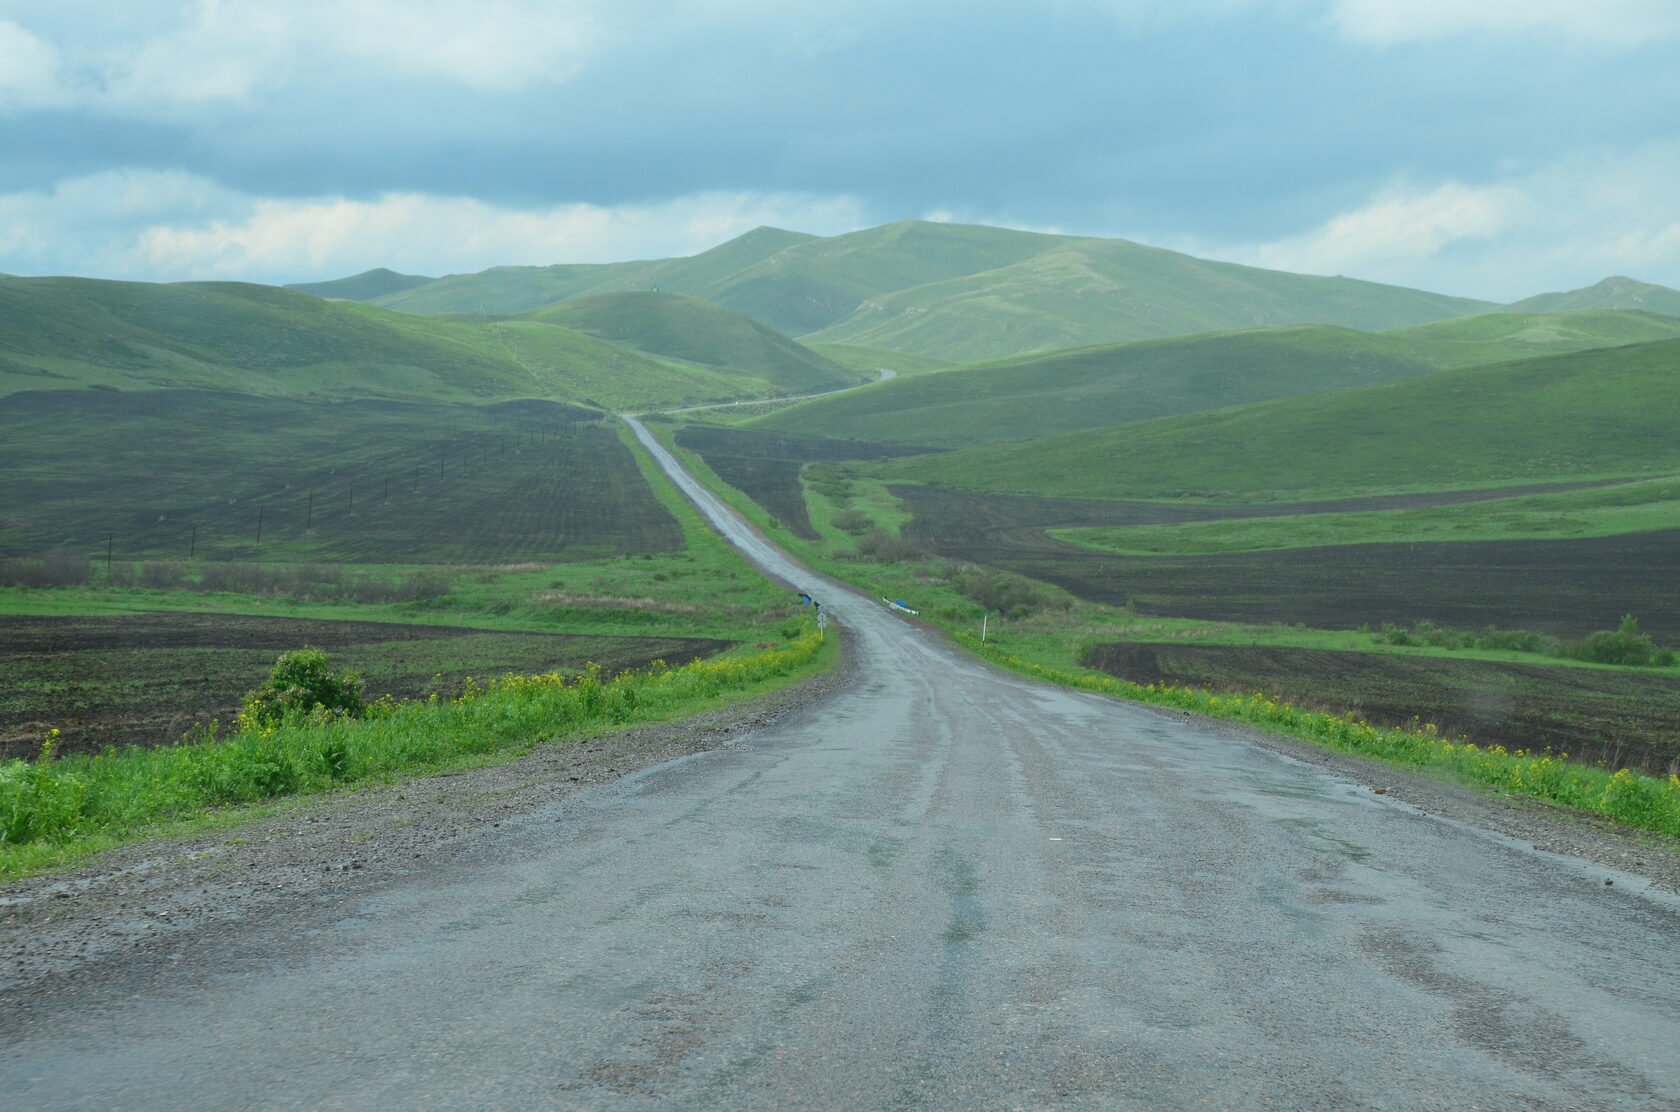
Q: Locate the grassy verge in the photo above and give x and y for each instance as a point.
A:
(1052, 630)
(1595, 512)
(55, 810)
(1645, 802)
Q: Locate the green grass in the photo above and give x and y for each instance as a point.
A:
(1601, 414)
(1635, 507)
(69, 333)
(378, 282)
(1066, 391)
(676, 327)
(53, 811)
(1075, 293)
(1611, 293)
(871, 361)
(519, 289)
(1021, 399)
(1506, 337)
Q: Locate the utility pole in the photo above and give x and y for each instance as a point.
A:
(192, 549)
(259, 524)
(110, 543)
(309, 514)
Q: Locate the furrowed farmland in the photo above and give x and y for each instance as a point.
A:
(188, 474)
(765, 466)
(1561, 587)
(1620, 718)
(145, 679)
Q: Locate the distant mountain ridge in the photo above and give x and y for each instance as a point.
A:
(965, 293)
(365, 286)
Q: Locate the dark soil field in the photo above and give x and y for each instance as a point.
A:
(1622, 718)
(147, 678)
(164, 474)
(1567, 588)
(765, 465)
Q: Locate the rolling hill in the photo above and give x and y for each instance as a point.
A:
(364, 286)
(1612, 293)
(1090, 387)
(1102, 291)
(675, 327)
(955, 292)
(1595, 414)
(65, 333)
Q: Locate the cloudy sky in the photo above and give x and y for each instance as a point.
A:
(1492, 148)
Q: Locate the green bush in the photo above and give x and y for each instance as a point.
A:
(1625, 645)
(302, 685)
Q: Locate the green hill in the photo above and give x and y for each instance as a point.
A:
(1090, 387)
(956, 292)
(1095, 291)
(1593, 414)
(1021, 399)
(364, 286)
(1503, 337)
(64, 333)
(519, 289)
(1612, 293)
(672, 326)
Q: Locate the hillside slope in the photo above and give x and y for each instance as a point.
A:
(520, 289)
(956, 292)
(65, 333)
(1585, 415)
(1611, 293)
(1103, 291)
(365, 286)
(1090, 387)
(673, 326)
(1085, 388)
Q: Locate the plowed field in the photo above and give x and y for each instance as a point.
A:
(146, 678)
(1565, 587)
(765, 465)
(1622, 718)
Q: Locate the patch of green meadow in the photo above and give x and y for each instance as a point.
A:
(1633, 507)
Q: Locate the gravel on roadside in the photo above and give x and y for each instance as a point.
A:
(145, 901)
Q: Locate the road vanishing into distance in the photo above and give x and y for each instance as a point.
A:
(942, 888)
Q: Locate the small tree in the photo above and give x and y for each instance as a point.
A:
(302, 684)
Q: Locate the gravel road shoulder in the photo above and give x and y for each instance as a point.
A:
(145, 901)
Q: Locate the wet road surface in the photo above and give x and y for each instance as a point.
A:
(944, 888)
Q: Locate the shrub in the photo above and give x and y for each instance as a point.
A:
(855, 522)
(884, 548)
(1625, 645)
(302, 685)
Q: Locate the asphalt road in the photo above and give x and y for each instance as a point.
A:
(943, 888)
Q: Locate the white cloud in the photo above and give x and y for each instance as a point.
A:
(167, 226)
(1616, 22)
(230, 51)
(1560, 226)
(1398, 229)
(28, 69)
